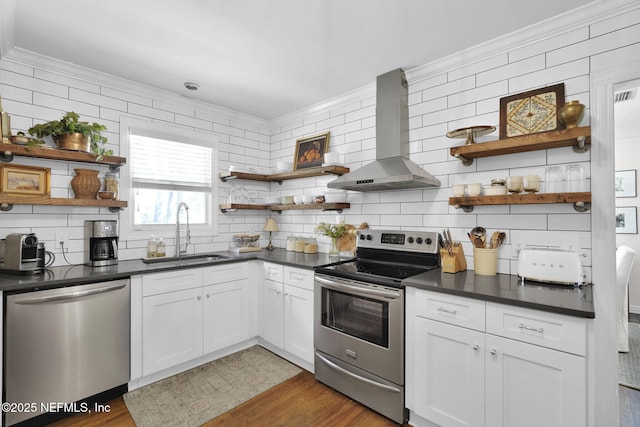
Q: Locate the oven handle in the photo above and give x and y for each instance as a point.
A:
(356, 376)
(350, 288)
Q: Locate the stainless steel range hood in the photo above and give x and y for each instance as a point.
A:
(392, 169)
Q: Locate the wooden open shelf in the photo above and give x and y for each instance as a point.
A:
(7, 202)
(7, 151)
(283, 176)
(576, 137)
(581, 201)
(230, 207)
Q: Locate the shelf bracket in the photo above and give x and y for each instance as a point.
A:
(581, 146)
(6, 156)
(464, 160)
(228, 178)
(6, 207)
(114, 168)
(582, 206)
(336, 210)
(223, 210)
(466, 208)
(114, 209)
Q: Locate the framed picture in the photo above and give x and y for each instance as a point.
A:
(626, 220)
(625, 183)
(310, 151)
(19, 180)
(531, 112)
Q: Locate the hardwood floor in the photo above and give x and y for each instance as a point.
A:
(299, 401)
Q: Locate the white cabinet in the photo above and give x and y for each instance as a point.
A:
(298, 322)
(450, 374)
(192, 312)
(477, 364)
(287, 310)
(272, 324)
(172, 329)
(531, 386)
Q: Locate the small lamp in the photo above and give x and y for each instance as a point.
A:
(270, 226)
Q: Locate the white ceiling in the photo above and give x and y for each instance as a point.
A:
(265, 58)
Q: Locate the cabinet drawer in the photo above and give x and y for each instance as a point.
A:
(459, 311)
(225, 273)
(551, 330)
(273, 271)
(169, 281)
(298, 277)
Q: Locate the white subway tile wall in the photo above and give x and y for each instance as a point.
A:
(466, 93)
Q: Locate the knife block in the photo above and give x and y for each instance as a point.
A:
(453, 263)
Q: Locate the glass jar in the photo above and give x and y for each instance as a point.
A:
(112, 183)
(300, 242)
(291, 243)
(311, 246)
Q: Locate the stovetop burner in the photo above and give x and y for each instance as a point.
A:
(386, 258)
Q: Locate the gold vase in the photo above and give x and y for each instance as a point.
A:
(570, 114)
(74, 141)
(86, 184)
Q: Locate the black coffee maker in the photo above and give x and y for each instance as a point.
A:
(101, 243)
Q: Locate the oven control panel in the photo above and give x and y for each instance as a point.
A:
(414, 241)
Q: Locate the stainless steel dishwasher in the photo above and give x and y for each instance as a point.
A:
(64, 345)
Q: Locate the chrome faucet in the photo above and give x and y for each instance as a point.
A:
(188, 236)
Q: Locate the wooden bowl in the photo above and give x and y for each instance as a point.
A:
(106, 195)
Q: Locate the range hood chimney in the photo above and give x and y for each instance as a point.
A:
(392, 169)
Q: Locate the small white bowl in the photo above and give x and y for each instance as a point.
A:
(495, 190)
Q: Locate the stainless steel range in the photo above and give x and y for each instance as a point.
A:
(359, 317)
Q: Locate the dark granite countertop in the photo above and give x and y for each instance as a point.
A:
(81, 274)
(506, 289)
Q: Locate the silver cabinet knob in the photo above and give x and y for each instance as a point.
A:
(493, 351)
(475, 347)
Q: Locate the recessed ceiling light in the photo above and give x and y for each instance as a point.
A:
(191, 85)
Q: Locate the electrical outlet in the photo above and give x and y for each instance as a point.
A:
(62, 238)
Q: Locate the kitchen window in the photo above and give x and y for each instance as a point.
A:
(165, 166)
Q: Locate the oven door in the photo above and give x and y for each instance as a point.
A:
(361, 324)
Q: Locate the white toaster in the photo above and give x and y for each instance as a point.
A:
(558, 266)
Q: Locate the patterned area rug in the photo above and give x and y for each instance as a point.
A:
(629, 363)
(199, 395)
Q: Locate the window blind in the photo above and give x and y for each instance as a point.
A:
(170, 163)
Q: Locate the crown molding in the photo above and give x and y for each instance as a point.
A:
(549, 28)
(74, 71)
(346, 98)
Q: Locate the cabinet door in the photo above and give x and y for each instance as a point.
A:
(298, 322)
(449, 374)
(532, 386)
(171, 329)
(226, 314)
(272, 322)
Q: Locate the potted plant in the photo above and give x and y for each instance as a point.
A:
(69, 133)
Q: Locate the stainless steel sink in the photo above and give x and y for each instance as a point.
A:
(196, 257)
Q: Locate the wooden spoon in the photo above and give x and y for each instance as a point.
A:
(493, 243)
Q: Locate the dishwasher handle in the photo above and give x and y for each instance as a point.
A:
(71, 295)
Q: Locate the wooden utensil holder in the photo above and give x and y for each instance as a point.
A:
(453, 263)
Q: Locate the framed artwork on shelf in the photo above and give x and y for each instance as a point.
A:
(626, 220)
(625, 183)
(20, 180)
(531, 112)
(310, 151)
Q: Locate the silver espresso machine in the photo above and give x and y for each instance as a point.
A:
(22, 254)
(101, 243)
